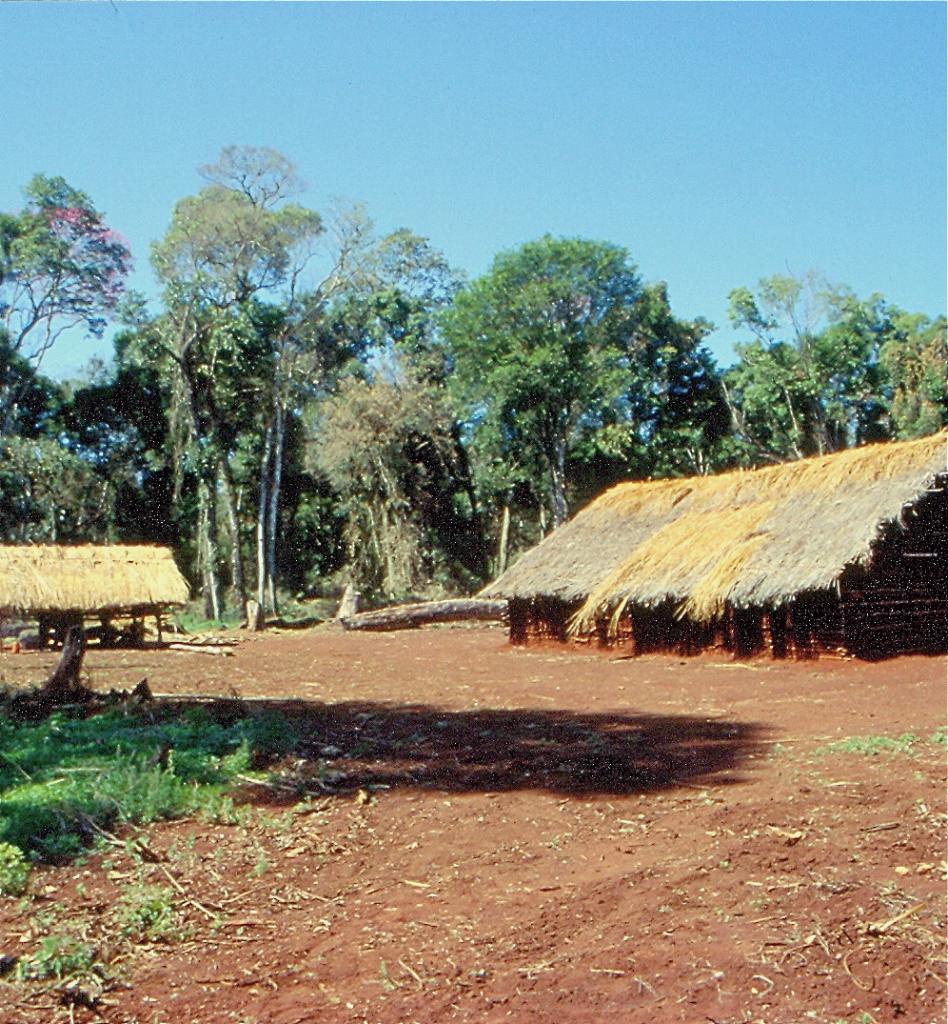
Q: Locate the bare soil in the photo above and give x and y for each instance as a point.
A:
(536, 835)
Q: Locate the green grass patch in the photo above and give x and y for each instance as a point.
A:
(193, 620)
(873, 746)
(61, 777)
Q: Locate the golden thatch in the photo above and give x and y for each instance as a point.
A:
(49, 580)
(745, 539)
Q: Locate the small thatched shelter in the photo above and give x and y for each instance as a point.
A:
(848, 551)
(61, 586)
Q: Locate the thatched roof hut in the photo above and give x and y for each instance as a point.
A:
(50, 581)
(705, 546)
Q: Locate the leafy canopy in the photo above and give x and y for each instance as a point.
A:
(61, 266)
(540, 345)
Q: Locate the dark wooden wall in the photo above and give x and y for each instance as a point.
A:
(900, 604)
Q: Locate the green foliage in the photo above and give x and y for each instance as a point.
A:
(31, 400)
(148, 913)
(224, 246)
(542, 348)
(62, 957)
(672, 418)
(238, 364)
(383, 444)
(61, 266)
(192, 619)
(14, 870)
(48, 494)
(391, 304)
(827, 370)
(116, 422)
(915, 359)
(312, 547)
(62, 777)
(570, 374)
(346, 398)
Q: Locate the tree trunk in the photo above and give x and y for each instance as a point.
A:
(207, 540)
(233, 521)
(273, 512)
(558, 483)
(262, 505)
(213, 552)
(207, 483)
(467, 483)
(411, 616)
(504, 541)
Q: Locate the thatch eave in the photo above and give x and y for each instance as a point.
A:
(53, 581)
(742, 539)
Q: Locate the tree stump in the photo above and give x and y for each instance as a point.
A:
(63, 685)
(350, 603)
(255, 617)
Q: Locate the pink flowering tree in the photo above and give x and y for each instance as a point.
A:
(61, 268)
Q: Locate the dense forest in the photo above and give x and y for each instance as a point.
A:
(313, 403)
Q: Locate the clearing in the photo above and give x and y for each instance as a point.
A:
(531, 835)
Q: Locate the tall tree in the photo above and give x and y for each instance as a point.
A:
(410, 500)
(383, 444)
(809, 382)
(915, 360)
(233, 243)
(671, 418)
(540, 346)
(61, 267)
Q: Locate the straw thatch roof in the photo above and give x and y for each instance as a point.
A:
(47, 579)
(746, 538)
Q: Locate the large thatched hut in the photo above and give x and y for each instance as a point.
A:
(60, 586)
(847, 552)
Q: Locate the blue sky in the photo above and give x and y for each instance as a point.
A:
(719, 143)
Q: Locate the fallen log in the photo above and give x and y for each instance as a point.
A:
(221, 649)
(411, 616)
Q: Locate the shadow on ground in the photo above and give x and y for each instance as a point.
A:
(352, 745)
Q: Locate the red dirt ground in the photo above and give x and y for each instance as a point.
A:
(537, 835)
